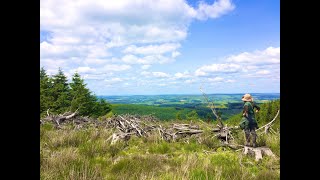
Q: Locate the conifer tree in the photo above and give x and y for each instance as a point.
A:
(101, 108)
(81, 96)
(61, 92)
(44, 90)
(60, 96)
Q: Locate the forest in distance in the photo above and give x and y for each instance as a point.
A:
(168, 107)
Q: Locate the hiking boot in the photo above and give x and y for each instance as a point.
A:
(247, 136)
(254, 140)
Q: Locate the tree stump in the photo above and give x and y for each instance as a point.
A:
(258, 152)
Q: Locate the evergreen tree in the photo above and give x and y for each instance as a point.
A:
(101, 108)
(81, 96)
(60, 96)
(46, 98)
(44, 87)
(60, 92)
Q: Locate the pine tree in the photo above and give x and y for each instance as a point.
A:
(60, 92)
(101, 108)
(43, 88)
(60, 96)
(81, 96)
(45, 93)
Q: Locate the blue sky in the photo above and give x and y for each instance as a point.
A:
(164, 46)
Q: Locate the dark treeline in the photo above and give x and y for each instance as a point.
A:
(60, 96)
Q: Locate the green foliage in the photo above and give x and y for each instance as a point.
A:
(179, 115)
(161, 148)
(193, 115)
(81, 96)
(101, 107)
(45, 96)
(163, 113)
(60, 96)
(60, 91)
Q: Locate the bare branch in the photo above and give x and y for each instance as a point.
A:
(212, 107)
(268, 125)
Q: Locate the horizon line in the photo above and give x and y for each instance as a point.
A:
(183, 94)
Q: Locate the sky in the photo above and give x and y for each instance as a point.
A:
(145, 47)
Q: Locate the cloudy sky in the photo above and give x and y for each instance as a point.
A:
(164, 46)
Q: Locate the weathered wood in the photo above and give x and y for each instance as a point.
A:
(258, 152)
(268, 125)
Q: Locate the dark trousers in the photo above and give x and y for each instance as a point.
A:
(253, 133)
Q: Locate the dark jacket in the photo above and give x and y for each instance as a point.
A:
(248, 114)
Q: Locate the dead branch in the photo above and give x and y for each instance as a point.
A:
(212, 107)
(268, 125)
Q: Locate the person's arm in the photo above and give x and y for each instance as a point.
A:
(257, 107)
(245, 111)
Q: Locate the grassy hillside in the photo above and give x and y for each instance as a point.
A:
(85, 154)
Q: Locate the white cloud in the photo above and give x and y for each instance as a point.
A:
(190, 81)
(84, 70)
(94, 61)
(95, 37)
(216, 79)
(97, 76)
(114, 80)
(162, 84)
(217, 9)
(182, 75)
(155, 74)
(115, 67)
(132, 59)
(145, 67)
(271, 55)
(217, 68)
(152, 49)
(90, 30)
(160, 74)
(145, 73)
(174, 54)
(53, 65)
(230, 81)
(147, 60)
(257, 64)
(263, 72)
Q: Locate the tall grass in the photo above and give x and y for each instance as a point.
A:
(85, 154)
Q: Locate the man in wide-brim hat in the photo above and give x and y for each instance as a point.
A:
(250, 124)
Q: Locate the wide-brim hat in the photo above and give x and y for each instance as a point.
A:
(247, 97)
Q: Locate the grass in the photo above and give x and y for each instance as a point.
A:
(85, 154)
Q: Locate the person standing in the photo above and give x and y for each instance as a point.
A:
(249, 118)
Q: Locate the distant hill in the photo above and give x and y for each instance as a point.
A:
(166, 107)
